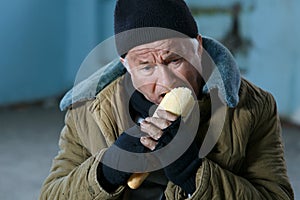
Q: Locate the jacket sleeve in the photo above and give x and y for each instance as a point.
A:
(263, 175)
(73, 172)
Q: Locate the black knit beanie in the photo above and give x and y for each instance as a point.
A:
(139, 22)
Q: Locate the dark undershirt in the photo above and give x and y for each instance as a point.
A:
(154, 186)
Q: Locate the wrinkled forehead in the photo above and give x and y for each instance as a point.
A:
(178, 46)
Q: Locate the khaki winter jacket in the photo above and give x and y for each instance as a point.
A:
(246, 163)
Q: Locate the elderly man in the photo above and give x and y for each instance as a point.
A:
(110, 137)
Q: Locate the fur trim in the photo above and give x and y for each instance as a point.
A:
(226, 77)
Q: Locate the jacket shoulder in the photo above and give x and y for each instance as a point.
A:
(255, 104)
(250, 93)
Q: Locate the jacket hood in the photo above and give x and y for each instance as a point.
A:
(225, 77)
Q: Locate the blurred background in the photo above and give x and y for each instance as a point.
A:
(43, 43)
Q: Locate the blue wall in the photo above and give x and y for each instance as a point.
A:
(274, 59)
(32, 52)
(89, 23)
(43, 44)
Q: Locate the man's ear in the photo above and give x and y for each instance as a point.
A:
(123, 61)
(199, 39)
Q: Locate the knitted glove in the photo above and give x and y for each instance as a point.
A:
(182, 171)
(110, 179)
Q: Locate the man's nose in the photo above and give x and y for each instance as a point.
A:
(166, 77)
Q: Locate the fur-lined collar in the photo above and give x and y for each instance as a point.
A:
(225, 77)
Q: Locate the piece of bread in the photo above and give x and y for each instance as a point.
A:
(178, 101)
(136, 179)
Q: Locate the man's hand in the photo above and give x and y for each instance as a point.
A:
(160, 132)
(154, 127)
(109, 178)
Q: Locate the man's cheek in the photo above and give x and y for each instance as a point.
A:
(141, 83)
(145, 89)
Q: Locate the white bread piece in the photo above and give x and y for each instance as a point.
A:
(178, 101)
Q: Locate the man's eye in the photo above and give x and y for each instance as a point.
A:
(176, 60)
(147, 68)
